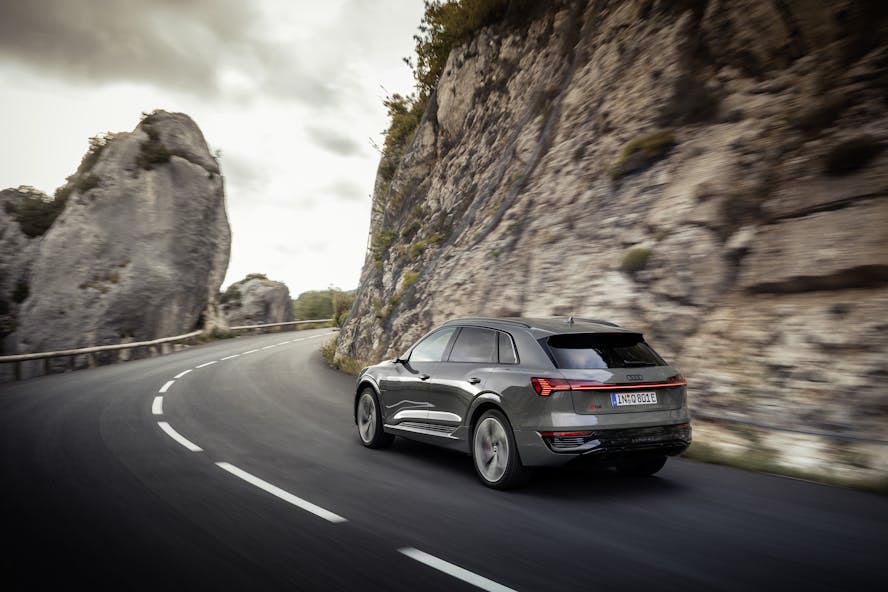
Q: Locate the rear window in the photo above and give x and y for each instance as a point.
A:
(601, 350)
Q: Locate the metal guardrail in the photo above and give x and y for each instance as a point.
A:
(90, 352)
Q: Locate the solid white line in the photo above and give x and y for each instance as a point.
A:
(455, 571)
(230, 357)
(182, 373)
(166, 387)
(278, 492)
(252, 351)
(205, 364)
(179, 437)
(269, 346)
(157, 405)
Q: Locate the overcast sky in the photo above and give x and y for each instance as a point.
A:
(290, 92)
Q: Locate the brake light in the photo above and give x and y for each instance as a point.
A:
(546, 386)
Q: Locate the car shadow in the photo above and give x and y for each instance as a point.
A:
(567, 482)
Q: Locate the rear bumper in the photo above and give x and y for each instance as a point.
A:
(604, 445)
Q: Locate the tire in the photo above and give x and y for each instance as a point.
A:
(494, 452)
(644, 467)
(369, 420)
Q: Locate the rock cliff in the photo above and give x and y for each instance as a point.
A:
(256, 300)
(713, 173)
(138, 250)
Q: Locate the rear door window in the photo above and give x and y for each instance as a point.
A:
(474, 344)
(506, 349)
(601, 350)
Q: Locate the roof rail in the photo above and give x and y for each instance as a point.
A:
(488, 320)
(599, 321)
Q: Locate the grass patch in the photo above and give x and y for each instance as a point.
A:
(346, 364)
(635, 259)
(643, 151)
(409, 279)
(381, 242)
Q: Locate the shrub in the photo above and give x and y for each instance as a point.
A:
(86, 182)
(409, 279)
(255, 276)
(36, 212)
(635, 259)
(411, 230)
(231, 298)
(642, 151)
(851, 155)
(22, 291)
(381, 243)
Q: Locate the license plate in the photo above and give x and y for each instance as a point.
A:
(626, 399)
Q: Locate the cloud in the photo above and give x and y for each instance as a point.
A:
(333, 141)
(188, 45)
(346, 190)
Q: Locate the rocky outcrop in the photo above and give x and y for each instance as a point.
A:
(256, 300)
(712, 173)
(138, 251)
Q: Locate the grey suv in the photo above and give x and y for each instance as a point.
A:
(517, 393)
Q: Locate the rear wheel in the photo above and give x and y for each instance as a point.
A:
(494, 452)
(642, 467)
(370, 421)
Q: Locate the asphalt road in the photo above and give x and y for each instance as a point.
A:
(96, 494)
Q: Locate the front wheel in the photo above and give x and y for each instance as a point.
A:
(641, 467)
(370, 421)
(494, 452)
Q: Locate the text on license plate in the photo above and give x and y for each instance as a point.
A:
(623, 399)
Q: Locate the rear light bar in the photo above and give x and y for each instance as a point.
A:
(565, 434)
(546, 386)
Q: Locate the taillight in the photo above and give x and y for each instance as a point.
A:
(546, 386)
(565, 434)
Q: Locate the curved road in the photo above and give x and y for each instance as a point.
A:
(281, 495)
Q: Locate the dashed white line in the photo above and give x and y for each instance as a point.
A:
(269, 346)
(182, 373)
(455, 571)
(205, 364)
(284, 342)
(166, 386)
(252, 351)
(230, 357)
(179, 437)
(157, 405)
(284, 495)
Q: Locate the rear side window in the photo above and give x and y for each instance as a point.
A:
(431, 349)
(601, 350)
(474, 344)
(506, 349)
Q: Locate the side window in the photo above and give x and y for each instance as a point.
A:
(431, 349)
(474, 344)
(506, 349)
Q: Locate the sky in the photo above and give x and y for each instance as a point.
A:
(289, 91)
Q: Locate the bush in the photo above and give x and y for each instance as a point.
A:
(851, 155)
(22, 291)
(231, 298)
(36, 212)
(381, 243)
(409, 279)
(255, 276)
(635, 259)
(642, 151)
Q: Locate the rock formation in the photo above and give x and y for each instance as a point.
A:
(138, 251)
(256, 300)
(712, 173)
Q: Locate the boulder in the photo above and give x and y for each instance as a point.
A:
(257, 300)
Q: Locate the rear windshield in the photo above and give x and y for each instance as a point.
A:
(601, 350)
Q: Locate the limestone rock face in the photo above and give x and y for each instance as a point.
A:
(756, 191)
(138, 252)
(255, 301)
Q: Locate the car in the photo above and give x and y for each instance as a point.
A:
(517, 393)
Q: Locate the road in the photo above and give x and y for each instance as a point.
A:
(281, 495)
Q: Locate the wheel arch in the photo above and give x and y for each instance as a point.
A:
(480, 405)
(364, 382)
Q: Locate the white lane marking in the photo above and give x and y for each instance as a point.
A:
(269, 346)
(230, 357)
(205, 364)
(182, 373)
(284, 342)
(167, 386)
(252, 351)
(179, 437)
(455, 571)
(278, 492)
(157, 405)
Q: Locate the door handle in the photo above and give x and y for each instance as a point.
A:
(424, 376)
(474, 380)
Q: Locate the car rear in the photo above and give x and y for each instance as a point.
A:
(610, 398)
